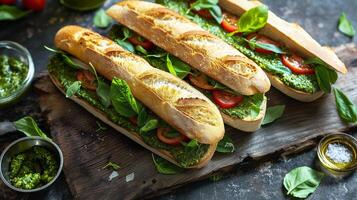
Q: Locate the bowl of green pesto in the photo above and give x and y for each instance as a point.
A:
(16, 72)
(31, 164)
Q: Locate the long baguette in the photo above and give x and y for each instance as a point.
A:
(176, 102)
(186, 40)
(291, 35)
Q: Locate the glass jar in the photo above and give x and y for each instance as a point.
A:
(82, 5)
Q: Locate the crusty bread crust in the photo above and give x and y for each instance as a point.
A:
(188, 41)
(290, 34)
(295, 94)
(133, 135)
(176, 102)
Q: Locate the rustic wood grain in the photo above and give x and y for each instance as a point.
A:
(87, 151)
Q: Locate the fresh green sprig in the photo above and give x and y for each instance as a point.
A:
(73, 89)
(273, 113)
(29, 127)
(211, 6)
(165, 167)
(101, 19)
(346, 109)
(112, 165)
(345, 26)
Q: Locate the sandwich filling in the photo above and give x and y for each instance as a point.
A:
(161, 136)
(302, 78)
(229, 102)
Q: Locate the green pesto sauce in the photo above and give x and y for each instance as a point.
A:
(249, 108)
(186, 157)
(270, 63)
(13, 73)
(33, 168)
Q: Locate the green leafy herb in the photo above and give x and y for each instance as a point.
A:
(346, 109)
(345, 26)
(273, 113)
(176, 67)
(225, 145)
(252, 20)
(73, 89)
(126, 32)
(141, 49)
(192, 144)
(149, 125)
(101, 19)
(28, 126)
(169, 65)
(112, 165)
(122, 99)
(212, 6)
(100, 127)
(69, 60)
(159, 55)
(165, 167)
(142, 117)
(103, 89)
(216, 177)
(11, 13)
(126, 45)
(253, 44)
(302, 181)
(325, 76)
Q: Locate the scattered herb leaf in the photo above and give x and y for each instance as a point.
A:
(11, 13)
(225, 145)
(73, 89)
(169, 65)
(112, 165)
(216, 177)
(302, 181)
(346, 109)
(100, 127)
(211, 5)
(252, 20)
(149, 125)
(273, 113)
(101, 19)
(28, 126)
(126, 45)
(141, 49)
(165, 167)
(253, 44)
(345, 26)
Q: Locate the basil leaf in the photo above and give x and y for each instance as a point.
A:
(122, 99)
(69, 60)
(302, 181)
(149, 125)
(345, 26)
(142, 117)
(73, 89)
(253, 44)
(126, 45)
(216, 13)
(141, 49)
(28, 126)
(127, 33)
(101, 19)
(165, 167)
(212, 6)
(225, 145)
(273, 113)
(323, 78)
(112, 165)
(11, 13)
(192, 144)
(172, 134)
(181, 69)
(346, 109)
(252, 20)
(103, 91)
(169, 65)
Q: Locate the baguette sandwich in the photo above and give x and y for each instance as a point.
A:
(235, 83)
(300, 66)
(152, 107)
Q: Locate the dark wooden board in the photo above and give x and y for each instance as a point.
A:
(87, 151)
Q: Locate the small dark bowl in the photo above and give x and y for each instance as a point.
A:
(22, 145)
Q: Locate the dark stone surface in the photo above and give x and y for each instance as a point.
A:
(258, 180)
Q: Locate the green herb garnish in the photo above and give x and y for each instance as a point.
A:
(111, 165)
(165, 167)
(325, 76)
(101, 19)
(211, 6)
(73, 89)
(28, 126)
(345, 26)
(225, 145)
(346, 109)
(273, 113)
(302, 181)
(11, 13)
(252, 20)
(253, 44)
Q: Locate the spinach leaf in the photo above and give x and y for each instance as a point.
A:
(126, 45)
(122, 99)
(165, 167)
(11, 13)
(273, 113)
(149, 125)
(225, 145)
(101, 19)
(73, 89)
(302, 181)
(112, 165)
(345, 26)
(346, 109)
(211, 5)
(28, 126)
(252, 20)
(253, 44)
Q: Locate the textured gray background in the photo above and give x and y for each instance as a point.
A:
(254, 180)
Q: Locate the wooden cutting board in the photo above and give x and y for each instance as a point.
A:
(86, 150)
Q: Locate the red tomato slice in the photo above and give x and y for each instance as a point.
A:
(146, 44)
(296, 64)
(262, 40)
(87, 79)
(226, 100)
(200, 81)
(229, 23)
(35, 5)
(161, 134)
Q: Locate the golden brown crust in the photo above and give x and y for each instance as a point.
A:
(192, 44)
(160, 91)
(290, 34)
(133, 135)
